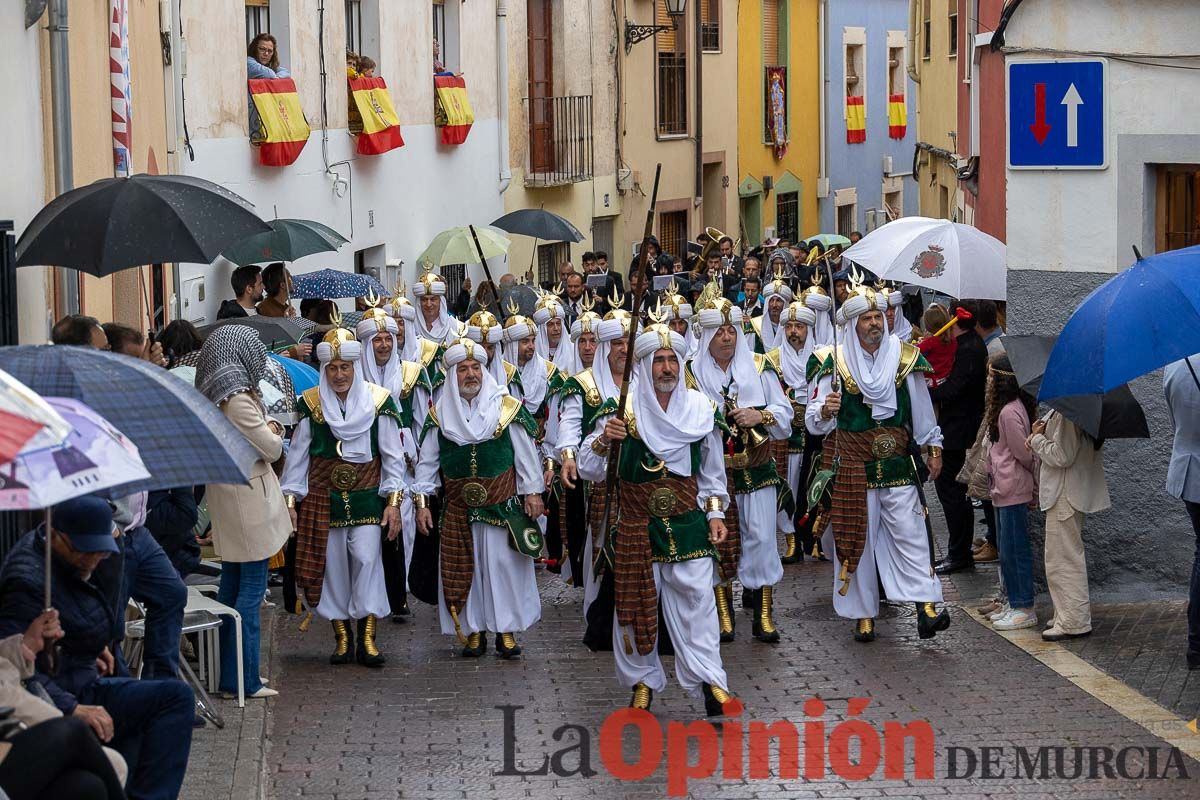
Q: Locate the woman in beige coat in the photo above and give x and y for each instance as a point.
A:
(1071, 484)
(249, 523)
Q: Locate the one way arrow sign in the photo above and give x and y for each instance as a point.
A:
(1057, 114)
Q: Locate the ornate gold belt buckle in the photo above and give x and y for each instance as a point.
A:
(662, 502)
(475, 495)
(344, 477)
(884, 446)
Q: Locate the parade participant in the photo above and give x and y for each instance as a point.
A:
(434, 321)
(405, 314)
(768, 328)
(407, 383)
(483, 328)
(747, 385)
(815, 297)
(535, 373)
(552, 345)
(897, 322)
(672, 496)
(879, 403)
(675, 310)
(482, 440)
(342, 483)
(797, 348)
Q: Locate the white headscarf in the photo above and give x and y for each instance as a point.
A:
(668, 434)
(904, 328)
(405, 315)
(587, 322)
(484, 328)
(772, 333)
(535, 377)
(607, 332)
(445, 327)
(549, 308)
(795, 364)
(460, 421)
(876, 378)
(350, 421)
(390, 375)
(712, 379)
(821, 304)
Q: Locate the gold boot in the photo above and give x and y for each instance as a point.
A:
(764, 626)
(714, 699)
(790, 552)
(930, 621)
(864, 631)
(344, 643)
(642, 696)
(476, 645)
(367, 653)
(724, 611)
(506, 646)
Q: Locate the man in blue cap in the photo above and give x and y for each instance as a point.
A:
(147, 721)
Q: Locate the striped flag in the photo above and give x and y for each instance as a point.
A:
(380, 125)
(856, 120)
(897, 116)
(452, 109)
(283, 130)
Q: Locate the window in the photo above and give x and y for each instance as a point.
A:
(671, 75)
(354, 26)
(786, 220)
(845, 219)
(258, 18)
(540, 49)
(895, 70)
(855, 70)
(846, 203)
(672, 232)
(774, 55)
(710, 26)
(953, 28)
(549, 257)
(926, 29)
(445, 32)
(454, 275)
(1177, 216)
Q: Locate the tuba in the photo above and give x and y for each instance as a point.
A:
(714, 239)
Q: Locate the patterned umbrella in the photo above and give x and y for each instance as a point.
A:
(277, 333)
(333, 284)
(288, 240)
(26, 418)
(182, 437)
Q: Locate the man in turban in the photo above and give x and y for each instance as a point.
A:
(434, 321)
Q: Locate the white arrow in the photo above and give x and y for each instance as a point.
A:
(1072, 101)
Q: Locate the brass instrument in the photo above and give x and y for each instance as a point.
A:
(742, 440)
(714, 238)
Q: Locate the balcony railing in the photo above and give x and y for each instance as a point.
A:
(560, 140)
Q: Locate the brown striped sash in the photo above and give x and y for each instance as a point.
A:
(849, 493)
(458, 545)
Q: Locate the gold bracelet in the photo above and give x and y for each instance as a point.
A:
(548, 464)
(768, 418)
(568, 454)
(713, 504)
(420, 501)
(289, 500)
(394, 499)
(600, 447)
(934, 451)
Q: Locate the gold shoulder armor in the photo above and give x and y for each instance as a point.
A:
(509, 407)
(844, 370)
(410, 373)
(379, 396)
(756, 323)
(631, 421)
(776, 359)
(510, 369)
(429, 349)
(591, 392)
(909, 354)
(312, 398)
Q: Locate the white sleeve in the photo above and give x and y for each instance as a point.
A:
(295, 467)
(428, 462)
(711, 480)
(591, 465)
(924, 423)
(777, 404)
(550, 438)
(391, 456)
(420, 407)
(526, 461)
(570, 423)
(816, 424)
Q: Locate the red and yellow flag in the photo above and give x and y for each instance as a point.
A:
(452, 109)
(897, 116)
(283, 131)
(380, 125)
(856, 120)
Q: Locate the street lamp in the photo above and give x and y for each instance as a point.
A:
(635, 33)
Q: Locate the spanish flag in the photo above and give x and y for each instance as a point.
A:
(380, 125)
(897, 116)
(452, 109)
(856, 120)
(282, 129)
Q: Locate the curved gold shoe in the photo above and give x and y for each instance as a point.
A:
(764, 625)
(714, 700)
(476, 645)
(506, 646)
(930, 621)
(367, 653)
(343, 650)
(643, 695)
(791, 553)
(864, 631)
(724, 611)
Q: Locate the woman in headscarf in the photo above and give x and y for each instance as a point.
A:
(250, 522)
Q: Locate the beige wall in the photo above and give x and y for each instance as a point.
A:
(937, 109)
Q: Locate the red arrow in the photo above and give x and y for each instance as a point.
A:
(1039, 127)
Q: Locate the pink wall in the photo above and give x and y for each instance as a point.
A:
(989, 205)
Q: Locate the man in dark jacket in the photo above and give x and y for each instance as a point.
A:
(960, 401)
(247, 285)
(147, 721)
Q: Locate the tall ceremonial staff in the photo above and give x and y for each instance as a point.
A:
(637, 285)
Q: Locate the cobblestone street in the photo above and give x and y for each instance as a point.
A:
(427, 725)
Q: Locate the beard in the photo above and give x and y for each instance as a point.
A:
(796, 341)
(873, 336)
(666, 384)
(469, 390)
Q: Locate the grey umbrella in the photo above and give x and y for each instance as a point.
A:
(288, 240)
(182, 437)
(1115, 415)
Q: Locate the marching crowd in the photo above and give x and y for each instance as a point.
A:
(447, 457)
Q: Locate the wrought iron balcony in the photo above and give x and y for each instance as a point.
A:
(560, 140)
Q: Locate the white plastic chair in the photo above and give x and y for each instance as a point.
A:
(209, 653)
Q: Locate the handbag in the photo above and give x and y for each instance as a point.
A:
(974, 472)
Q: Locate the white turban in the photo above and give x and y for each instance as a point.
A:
(607, 332)
(389, 375)
(339, 351)
(688, 417)
(445, 327)
(778, 288)
(474, 422)
(675, 307)
(534, 375)
(903, 328)
(795, 364)
(548, 308)
(462, 350)
(402, 308)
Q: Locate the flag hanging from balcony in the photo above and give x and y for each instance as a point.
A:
(856, 120)
(452, 109)
(897, 116)
(282, 131)
(777, 109)
(380, 125)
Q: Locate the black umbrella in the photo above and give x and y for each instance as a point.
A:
(288, 240)
(1115, 415)
(274, 332)
(117, 223)
(540, 224)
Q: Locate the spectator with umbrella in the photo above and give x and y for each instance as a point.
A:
(250, 522)
(79, 330)
(247, 285)
(178, 339)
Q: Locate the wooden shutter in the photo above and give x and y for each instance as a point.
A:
(668, 41)
(770, 16)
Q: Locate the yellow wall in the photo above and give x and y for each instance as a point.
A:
(755, 159)
(937, 110)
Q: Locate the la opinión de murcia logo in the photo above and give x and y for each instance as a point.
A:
(813, 749)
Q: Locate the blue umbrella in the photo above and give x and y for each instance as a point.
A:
(181, 436)
(1144, 318)
(303, 376)
(332, 284)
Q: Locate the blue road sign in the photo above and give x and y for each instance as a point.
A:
(1057, 114)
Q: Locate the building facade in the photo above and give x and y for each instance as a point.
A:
(934, 64)
(868, 153)
(981, 117)
(1078, 227)
(778, 166)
